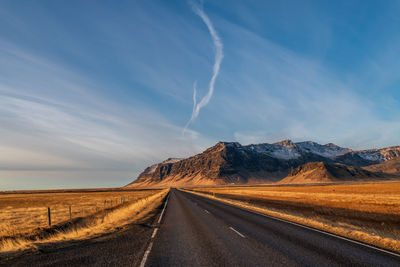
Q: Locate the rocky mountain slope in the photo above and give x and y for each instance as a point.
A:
(322, 172)
(230, 162)
(388, 167)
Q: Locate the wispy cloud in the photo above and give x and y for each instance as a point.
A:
(217, 63)
(64, 128)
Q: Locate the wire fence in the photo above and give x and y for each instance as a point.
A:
(59, 213)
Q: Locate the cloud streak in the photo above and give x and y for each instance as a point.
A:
(55, 132)
(219, 55)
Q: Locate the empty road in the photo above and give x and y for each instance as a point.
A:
(197, 231)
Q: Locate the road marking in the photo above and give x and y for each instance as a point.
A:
(154, 233)
(236, 232)
(309, 228)
(146, 254)
(326, 233)
(162, 213)
(207, 211)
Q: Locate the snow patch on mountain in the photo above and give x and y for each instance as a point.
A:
(172, 160)
(275, 150)
(380, 155)
(287, 150)
(328, 151)
(371, 155)
(152, 168)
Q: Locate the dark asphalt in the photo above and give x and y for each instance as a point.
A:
(198, 231)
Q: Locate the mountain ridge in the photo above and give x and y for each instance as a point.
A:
(231, 162)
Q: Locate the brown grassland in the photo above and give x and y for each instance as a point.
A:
(369, 212)
(24, 221)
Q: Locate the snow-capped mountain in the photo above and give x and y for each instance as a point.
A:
(230, 162)
(286, 149)
(329, 150)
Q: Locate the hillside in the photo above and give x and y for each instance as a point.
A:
(388, 167)
(230, 162)
(321, 172)
(221, 164)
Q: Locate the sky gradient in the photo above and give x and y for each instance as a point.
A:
(92, 92)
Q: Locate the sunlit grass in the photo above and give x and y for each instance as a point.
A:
(21, 236)
(371, 197)
(24, 213)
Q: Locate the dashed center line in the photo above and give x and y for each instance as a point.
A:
(236, 232)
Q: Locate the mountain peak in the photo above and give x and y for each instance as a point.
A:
(331, 145)
(286, 143)
(222, 145)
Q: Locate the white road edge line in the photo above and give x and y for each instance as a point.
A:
(162, 212)
(330, 234)
(236, 232)
(154, 233)
(310, 228)
(146, 254)
(207, 211)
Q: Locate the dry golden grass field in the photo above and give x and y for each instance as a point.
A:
(24, 218)
(23, 213)
(370, 197)
(369, 212)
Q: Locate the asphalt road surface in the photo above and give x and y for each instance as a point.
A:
(198, 231)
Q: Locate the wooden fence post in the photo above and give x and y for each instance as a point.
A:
(49, 215)
(70, 214)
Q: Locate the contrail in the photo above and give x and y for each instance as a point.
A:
(218, 59)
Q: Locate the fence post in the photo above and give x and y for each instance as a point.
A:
(70, 214)
(49, 215)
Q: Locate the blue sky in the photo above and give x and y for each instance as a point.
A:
(92, 92)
